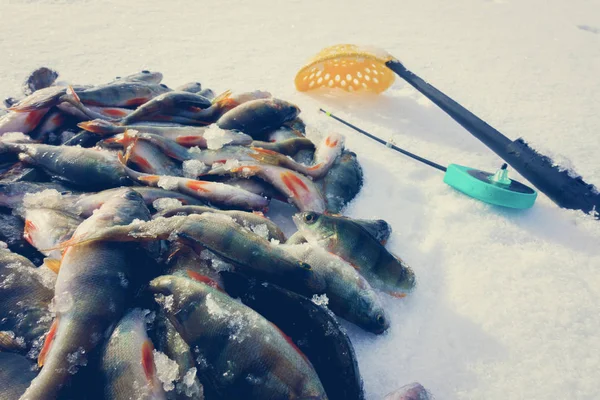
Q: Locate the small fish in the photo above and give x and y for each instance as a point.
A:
(313, 328)
(246, 250)
(15, 375)
(222, 104)
(24, 298)
(167, 103)
(40, 99)
(127, 362)
(258, 117)
(122, 94)
(142, 76)
(45, 228)
(255, 185)
(378, 228)
(40, 78)
(342, 182)
(288, 147)
(300, 190)
(23, 122)
(350, 295)
(85, 204)
(255, 361)
(350, 241)
(91, 168)
(326, 154)
(191, 87)
(169, 341)
(106, 113)
(11, 233)
(92, 289)
(187, 136)
(213, 192)
(148, 158)
(253, 221)
(413, 391)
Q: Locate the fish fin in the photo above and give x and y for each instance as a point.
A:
(48, 342)
(315, 167)
(222, 97)
(398, 295)
(331, 142)
(52, 264)
(293, 182)
(72, 94)
(266, 156)
(246, 169)
(204, 279)
(95, 126)
(150, 179)
(191, 140)
(148, 360)
(28, 230)
(198, 186)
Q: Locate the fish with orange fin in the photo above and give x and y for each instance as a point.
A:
(91, 168)
(342, 183)
(247, 251)
(166, 104)
(254, 221)
(350, 295)
(46, 227)
(92, 290)
(213, 192)
(127, 365)
(350, 241)
(24, 299)
(239, 354)
(24, 122)
(258, 117)
(222, 104)
(288, 147)
(148, 158)
(191, 87)
(300, 190)
(142, 76)
(378, 228)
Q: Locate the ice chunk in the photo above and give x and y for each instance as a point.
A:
(261, 230)
(165, 203)
(217, 263)
(189, 386)
(168, 182)
(320, 300)
(216, 137)
(15, 137)
(167, 370)
(165, 301)
(194, 168)
(231, 164)
(76, 359)
(49, 198)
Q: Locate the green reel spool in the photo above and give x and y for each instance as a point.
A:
(493, 188)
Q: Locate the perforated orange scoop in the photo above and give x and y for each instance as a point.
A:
(348, 67)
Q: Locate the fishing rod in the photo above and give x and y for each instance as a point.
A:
(366, 68)
(493, 188)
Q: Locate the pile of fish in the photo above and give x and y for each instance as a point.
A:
(137, 261)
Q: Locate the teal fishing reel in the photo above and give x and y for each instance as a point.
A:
(493, 188)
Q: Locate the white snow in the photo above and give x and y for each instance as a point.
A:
(507, 301)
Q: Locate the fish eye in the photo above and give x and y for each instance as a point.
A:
(310, 217)
(118, 77)
(163, 85)
(380, 320)
(145, 71)
(305, 266)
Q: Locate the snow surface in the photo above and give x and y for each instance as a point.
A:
(507, 301)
